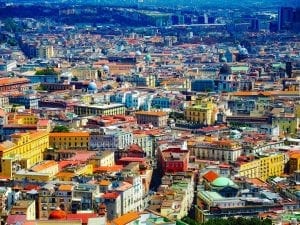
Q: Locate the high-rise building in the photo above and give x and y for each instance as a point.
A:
(296, 21)
(285, 18)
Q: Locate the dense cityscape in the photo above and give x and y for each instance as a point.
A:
(149, 112)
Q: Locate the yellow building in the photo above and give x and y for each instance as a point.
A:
(69, 140)
(22, 118)
(32, 176)
(72, 171)
(250, 169)
(44, 171)
(294, 163)
(24, 207)
(24, 151)
(203, 111)
(272, 165)
(106, 158)
(263, 168)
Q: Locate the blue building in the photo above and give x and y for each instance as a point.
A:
(43, 78)
(29, 101)
(161, 102)
(203, 85)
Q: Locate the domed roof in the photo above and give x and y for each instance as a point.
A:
(222, 182)
(225, 69)
(58, 214)
(148, 58)
(106, 68)
(243, 51)
(223, 59)
(92, 86)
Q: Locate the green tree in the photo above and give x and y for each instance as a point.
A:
(60, 128)
(47, 71)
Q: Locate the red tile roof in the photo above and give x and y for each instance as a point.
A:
(135, 148)
(110, 195)
(210, 176)
(13, 219)
(84, 217)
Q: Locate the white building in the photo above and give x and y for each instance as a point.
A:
(110, 140)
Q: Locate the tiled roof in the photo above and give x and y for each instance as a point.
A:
(44, 165)
(70, 134)
(13, 219)
(210, 176)
(110, 195)
(151, 113)
(65, 187)
(84, 217)
(126, 218)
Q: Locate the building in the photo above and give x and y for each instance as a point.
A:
(12, 83)
(105, 158)
(174, 197)
(203, 85)
(45, 51)
(218, 150)
(84, 196)
(70, 140)
(8, 66)
(226, 79)
(112, 201)
(52, 196)
(7, 199)
(24, 207)
(204, 112)
(211, 204)
(264, 167)
(145, 142)
(110, 140)
(174, 160)
(285, 18)
(294, 163)
(23, 151)
(107, 110)
(30, 101)
(157, 119)
(161, 102)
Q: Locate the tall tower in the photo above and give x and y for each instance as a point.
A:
(285, 18)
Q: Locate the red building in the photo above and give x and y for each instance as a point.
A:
(12, 83)
(174, 160)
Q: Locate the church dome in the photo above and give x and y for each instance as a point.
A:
(225, 69)
(58, 214)
(222, 182)
(92, 86)
(223, 59)
(106, 68)
(148, 58)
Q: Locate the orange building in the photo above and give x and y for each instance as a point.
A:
(70, 140)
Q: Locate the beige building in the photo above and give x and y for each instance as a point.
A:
(106, 158)
(157, 119)
(52, 197)
(24, 207)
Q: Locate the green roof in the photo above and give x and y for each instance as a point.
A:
(210, 195)
(222, 182)
(239, 68)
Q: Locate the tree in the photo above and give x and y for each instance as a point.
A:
(74, 78)
(238, 221)
(47, 71)
(60, 129)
